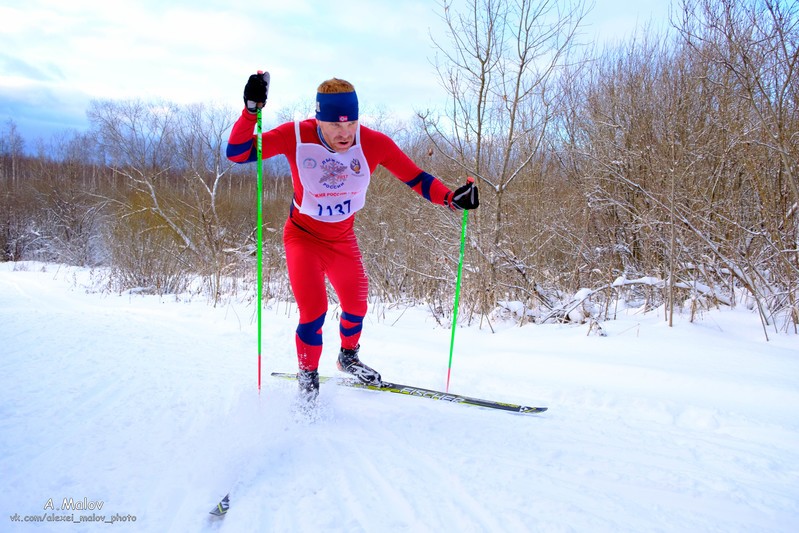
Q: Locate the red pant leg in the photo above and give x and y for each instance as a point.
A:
(348, 277)
(305, 262)
(309, 259)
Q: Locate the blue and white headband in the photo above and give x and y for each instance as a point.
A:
(337, 107)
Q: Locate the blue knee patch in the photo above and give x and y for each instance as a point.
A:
(311, 332)
(355, 319)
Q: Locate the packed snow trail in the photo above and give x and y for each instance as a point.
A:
(149, 405)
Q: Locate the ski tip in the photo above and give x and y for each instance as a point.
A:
(221, 508)
(532, 410)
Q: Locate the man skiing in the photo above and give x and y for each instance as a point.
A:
(332, 158)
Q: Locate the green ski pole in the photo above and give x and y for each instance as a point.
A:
(260, 231)
(457, 290)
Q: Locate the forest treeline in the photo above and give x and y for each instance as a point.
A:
(661, 170)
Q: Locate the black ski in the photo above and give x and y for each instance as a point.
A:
(221, 507)
(422, 393)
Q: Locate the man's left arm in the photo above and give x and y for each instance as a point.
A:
(390, 155)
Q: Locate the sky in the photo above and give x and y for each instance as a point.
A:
(56, 56)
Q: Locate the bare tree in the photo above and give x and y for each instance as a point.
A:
(498, 74)
(499, 69)
(12, 147)
(754, 45)
(757, 44)
(172, 159)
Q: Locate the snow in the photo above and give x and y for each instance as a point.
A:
(147, 408)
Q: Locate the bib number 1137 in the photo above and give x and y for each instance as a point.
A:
(338, 209)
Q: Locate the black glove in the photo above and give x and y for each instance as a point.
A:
(255, 91)
(466, 197)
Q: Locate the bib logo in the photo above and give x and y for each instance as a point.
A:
(309, 163)
(355, 165)
(333, 174)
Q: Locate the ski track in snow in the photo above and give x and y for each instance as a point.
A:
(150, 405)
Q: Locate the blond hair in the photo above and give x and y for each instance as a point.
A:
(335, 85)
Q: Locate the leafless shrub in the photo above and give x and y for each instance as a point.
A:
(671, 156)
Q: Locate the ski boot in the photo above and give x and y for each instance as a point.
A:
(348, 362)
(309, 384)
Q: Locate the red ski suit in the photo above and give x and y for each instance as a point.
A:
(314, 248)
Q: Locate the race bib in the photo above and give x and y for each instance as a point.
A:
(334, 185)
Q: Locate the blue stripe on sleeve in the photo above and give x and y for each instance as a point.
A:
(235, 150)
(426, 180)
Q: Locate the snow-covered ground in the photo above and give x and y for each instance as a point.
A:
(147, 408)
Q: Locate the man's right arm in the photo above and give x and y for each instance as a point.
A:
(240, 146)
(241, 143)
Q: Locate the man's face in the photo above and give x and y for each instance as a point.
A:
(339, 135)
